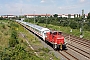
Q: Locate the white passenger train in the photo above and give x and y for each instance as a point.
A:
(40, 31)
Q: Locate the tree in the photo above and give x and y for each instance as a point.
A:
(55, 15)
(79, 15)
(73, 24)
(69, 15)
(88, 17)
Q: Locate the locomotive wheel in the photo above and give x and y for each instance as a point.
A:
(54, 46)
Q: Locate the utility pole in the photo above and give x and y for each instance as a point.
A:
(34, 16)
(82, 28)
(21, 13)
(34, 23)
(46, 20)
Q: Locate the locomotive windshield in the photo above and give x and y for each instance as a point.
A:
(57, 33)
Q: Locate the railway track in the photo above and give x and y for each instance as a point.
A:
(67, 55)
(78, 41)
(80, 51)
(82, 46)
(81, 41)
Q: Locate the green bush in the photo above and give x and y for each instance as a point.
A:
(3, 26)
(45, 49)
(14, 39)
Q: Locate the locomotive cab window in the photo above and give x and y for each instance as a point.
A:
(50, 32)
(55, 33)
(59, 33)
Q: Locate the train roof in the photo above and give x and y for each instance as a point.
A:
(37, 27)
(34, 26)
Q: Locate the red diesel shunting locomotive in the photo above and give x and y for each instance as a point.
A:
(56, 39)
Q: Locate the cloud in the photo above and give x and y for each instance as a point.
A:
(52, 1)
(47, 1)
(68, 7)
(48, 6)
(42, 1)
(82, 0)
(71, 9)
(0, 7)
(60, 8)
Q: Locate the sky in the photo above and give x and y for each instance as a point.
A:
(18, 7)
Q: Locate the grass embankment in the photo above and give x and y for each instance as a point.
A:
(21, 50)
(4, 33)
(75, 32)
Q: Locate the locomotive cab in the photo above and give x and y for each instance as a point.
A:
(58, 40)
